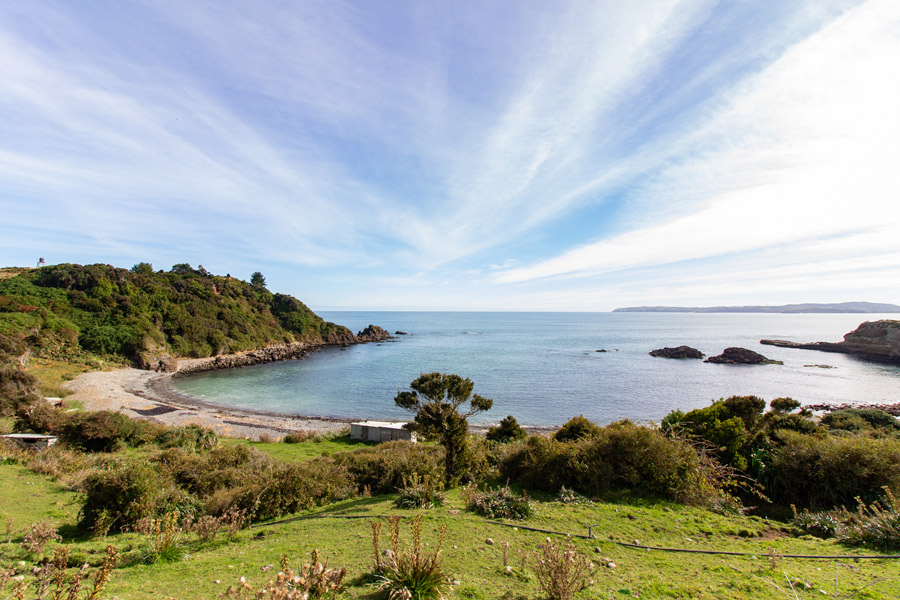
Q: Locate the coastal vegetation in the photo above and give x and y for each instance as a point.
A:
(99, 313)
(586, 511)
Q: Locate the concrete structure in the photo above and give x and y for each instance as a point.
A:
(32, 441)
(380, 431)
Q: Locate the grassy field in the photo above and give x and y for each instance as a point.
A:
(473, 552)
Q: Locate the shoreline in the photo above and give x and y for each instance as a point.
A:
(149, 395)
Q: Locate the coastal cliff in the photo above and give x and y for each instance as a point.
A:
(874, 340)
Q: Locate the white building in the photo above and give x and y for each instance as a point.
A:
(380, 431)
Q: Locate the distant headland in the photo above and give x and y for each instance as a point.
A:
(837, 307)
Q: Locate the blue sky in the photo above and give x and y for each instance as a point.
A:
(462, 155)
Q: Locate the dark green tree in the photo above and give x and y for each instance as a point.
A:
(257, 280)
(508, 430)
(436, 399)
(142, 268)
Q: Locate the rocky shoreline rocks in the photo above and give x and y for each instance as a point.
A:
(873, 340)
(677, 352)
(163, 362)
(741, 356)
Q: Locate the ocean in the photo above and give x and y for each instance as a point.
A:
(543, 368)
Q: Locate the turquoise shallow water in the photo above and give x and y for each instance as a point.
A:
(543, 369)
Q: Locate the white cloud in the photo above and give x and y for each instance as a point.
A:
(805, 149)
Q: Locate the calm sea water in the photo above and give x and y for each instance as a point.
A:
(543, 369)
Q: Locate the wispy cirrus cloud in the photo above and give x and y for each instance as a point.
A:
(802, 150)
(497, 153)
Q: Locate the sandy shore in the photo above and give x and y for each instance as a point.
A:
(148, 395)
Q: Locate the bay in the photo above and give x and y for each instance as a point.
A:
(543, 368)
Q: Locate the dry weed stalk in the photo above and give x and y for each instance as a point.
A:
(312, 580)
(561, 570)
(38, 535)
(52, 582)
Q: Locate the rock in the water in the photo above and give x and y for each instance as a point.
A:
(875, 340)
(741, 356)
(600, 350)
(400, 333)
(373, 333)
(679, 352)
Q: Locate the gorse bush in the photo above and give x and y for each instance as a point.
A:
(508, 430)
(120, 496)
(862, 420)
(384, 468)
(824, 472)
(621, 457)
(577, 428)
(191, 438)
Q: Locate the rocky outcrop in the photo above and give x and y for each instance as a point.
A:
(679, 352)
(278, 352)
(874, 340)
(155, 358)
(741, 356)
(268, 354)
(372, 333)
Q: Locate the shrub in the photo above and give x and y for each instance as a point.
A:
(539, 463)
(623, 457)
(101, 431)
(875, 525)
(383, 468)
(499, 503)
(163, 538)
(40, 417)
(561, 570)
(861, 420)
(120, 496)
(409, 573)
(577, 428)
(508, 430)
(298, 437)
(420, 493)
(823, 472)
(191, 438)
(18, 389)
(289, 488)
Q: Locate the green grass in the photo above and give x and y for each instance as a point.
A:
(27, 497)
(53, 374)
(305, 450)
(477, 565)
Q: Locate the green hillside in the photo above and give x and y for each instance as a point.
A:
(72, 311)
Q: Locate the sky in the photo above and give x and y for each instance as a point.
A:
(466, 155)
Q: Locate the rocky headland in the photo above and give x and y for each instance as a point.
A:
(273, 353)
(873, 340)
(677, 352)
(741, 356)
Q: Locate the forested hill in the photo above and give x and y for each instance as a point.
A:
(67, 311)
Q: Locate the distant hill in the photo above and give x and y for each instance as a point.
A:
(71, 311)
(838, 307)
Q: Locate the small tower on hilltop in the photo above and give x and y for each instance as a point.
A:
(41, 263)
